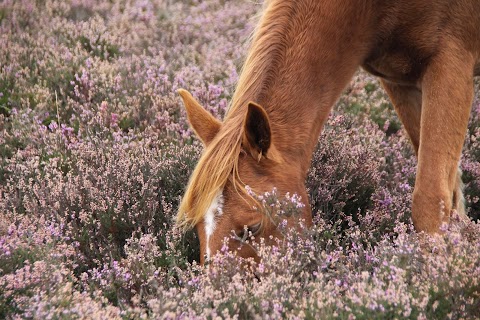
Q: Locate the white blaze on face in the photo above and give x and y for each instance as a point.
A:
(214, 210)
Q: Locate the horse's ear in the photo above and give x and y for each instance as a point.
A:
(257, 137)
(202, 122)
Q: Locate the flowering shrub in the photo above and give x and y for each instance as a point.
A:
(95, 152)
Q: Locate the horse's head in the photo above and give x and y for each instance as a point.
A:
(239, 152)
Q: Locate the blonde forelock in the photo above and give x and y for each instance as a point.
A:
(219, 161)
(217, 164)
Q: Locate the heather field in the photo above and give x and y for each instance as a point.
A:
(96, 152)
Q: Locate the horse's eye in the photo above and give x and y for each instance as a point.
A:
(249, 231)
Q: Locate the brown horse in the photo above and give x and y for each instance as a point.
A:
(303, 54)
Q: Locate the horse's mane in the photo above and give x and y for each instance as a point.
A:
(219, 162)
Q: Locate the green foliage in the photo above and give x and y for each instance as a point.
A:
(99, 48)
(6, 86)
(126, 124)
(8, 307)
(385, 113)
(17, 259)
(3, 14)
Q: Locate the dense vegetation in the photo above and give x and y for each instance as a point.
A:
(96, 152)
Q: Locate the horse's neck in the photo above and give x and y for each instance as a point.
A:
(302, 57)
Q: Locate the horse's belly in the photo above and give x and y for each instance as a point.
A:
(398, 68)
(401, 70)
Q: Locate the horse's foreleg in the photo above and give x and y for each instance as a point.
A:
(447, 93)
(407, 101)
